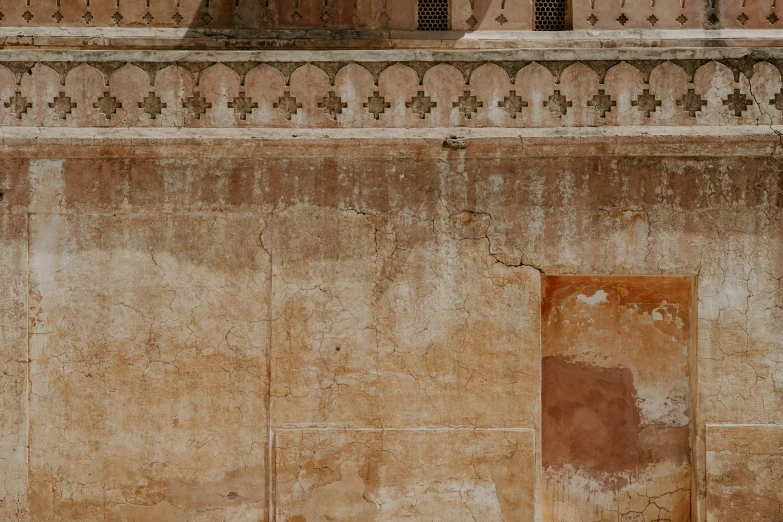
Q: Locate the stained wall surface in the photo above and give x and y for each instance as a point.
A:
(616, 402)
(266, 330)
(148, 342)
(417, 475)
(744, 472)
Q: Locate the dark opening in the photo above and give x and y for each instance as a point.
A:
(552, 15)
(433, 15)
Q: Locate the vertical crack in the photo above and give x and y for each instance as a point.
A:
(270, 455)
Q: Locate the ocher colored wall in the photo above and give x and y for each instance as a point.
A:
(201, 330)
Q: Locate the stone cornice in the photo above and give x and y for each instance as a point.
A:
(750, 54)
(498, 143)
(144, 38)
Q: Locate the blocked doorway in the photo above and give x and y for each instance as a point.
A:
(616, 398)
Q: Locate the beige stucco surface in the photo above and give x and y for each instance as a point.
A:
(399, 320)
(147, 366)
(744, 472)
(13, 354)
(418, 475)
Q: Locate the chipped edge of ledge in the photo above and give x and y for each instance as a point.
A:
(634, 37)
(553, 53)
(705, 141)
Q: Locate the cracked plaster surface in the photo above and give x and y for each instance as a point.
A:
(744, 473)
(417, 475)
(13, 348)
(148, 367)
(372, 312)
(469, 233)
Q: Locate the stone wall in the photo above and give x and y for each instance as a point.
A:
(211, 324)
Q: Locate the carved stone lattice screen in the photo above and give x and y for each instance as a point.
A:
(551, 15)
(432, 15)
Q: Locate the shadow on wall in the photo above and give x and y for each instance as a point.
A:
(335, 15)
(329, 17)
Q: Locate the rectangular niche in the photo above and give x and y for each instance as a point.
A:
(616, 402)
(411, 475)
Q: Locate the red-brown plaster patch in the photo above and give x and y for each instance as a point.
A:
(590, 417)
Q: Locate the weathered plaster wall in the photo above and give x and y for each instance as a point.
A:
(295, 329)
(417, 475)
(13, 356)
(148, 348)
(744, 472)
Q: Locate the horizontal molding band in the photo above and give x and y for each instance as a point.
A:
(491, 143)
(397, 55)
(142, 38)
(771, 132)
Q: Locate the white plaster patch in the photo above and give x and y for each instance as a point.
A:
(47, 186)
(597, 298)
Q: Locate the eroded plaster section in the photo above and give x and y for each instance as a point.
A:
(149, 339)
(399, 321)
(615, 398)
(416, 475)
(744, 473)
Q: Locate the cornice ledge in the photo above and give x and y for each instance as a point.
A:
(707, 141)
